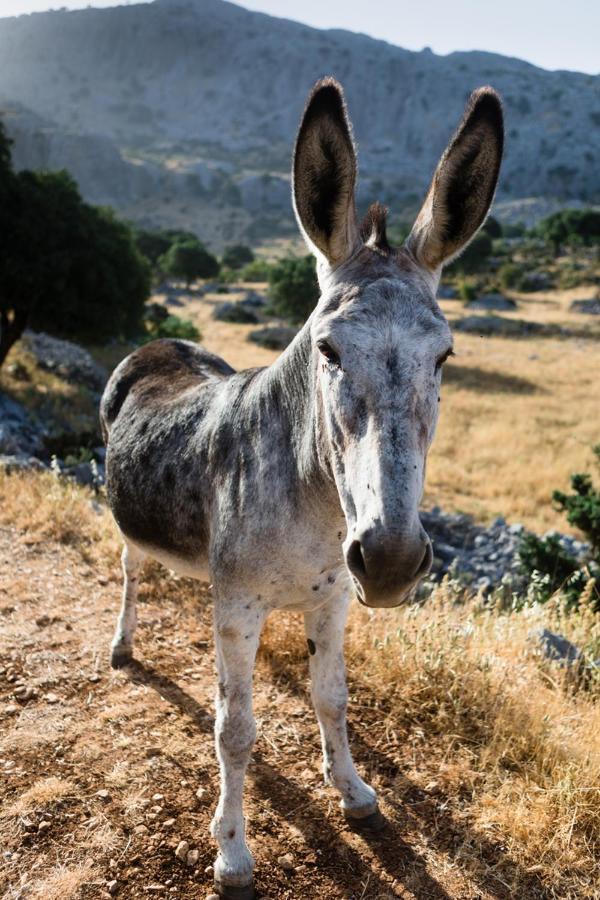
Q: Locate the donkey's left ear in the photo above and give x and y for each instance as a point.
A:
(463, 185)
(324, 175)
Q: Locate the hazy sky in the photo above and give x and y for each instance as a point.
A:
(551, 33)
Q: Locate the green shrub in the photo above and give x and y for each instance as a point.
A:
(173, 327)
(562, 570)
(258, 270)
(570, 226)
(466, 290)
(189, 260)
(293, 288)
(476, 255)
(237, 256)
(510, 275)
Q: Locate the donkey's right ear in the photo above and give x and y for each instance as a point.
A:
(463, 185)
(324, 175)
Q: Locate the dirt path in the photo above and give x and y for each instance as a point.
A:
(112, 762)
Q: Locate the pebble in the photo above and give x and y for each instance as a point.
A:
(201, 794)
(112, 886)
(44, 826)
(209, 870)
(158, 797)
(182, 850)
(140, 829)
(192, 858)
(168, 823)
(286, 862)
(51, 698)
(103, 794)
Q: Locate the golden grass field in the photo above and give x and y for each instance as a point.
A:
(486, 756)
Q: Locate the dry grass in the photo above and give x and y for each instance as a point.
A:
(41, 795)
(506, 741)
(486, 755)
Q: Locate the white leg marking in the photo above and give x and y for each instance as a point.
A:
(122, 644)
(237, 633)
(325, 634)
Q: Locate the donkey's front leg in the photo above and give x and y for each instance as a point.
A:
(122, 644)
(237, 633)
(325, 635)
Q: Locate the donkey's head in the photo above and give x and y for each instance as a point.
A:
(379, 337)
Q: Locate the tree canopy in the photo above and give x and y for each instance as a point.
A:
(293, 288)
(66, 267)
(189, 259)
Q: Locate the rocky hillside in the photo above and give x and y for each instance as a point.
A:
(181, 107)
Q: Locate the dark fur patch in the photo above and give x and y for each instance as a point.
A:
(311, 647)
(373, 228)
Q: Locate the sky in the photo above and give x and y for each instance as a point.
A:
(553, 34)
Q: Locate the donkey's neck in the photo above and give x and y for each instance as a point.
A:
(291, 390)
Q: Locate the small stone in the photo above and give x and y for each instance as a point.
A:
(11, 709)
(182, 850)
(103, 794)
(140, 829)
(213, 897)
(102, 579)
(23, 693)
(201, 794)
(95, 678)
(286, 862)
(209, 870)
(192, 857)
(168, 823)
(44, 826)
(112, 886)
(51, 698)
(28, 824)
(158, 797)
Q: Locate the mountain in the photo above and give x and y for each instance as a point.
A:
(184, 111)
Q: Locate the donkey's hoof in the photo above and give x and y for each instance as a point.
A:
(373, 821)
(120, 657)
(235, 891)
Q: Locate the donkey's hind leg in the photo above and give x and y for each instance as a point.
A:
(122, 644)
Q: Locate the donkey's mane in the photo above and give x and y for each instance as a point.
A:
(373, 228)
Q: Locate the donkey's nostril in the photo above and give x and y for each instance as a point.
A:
(355, 560)
(425, 563)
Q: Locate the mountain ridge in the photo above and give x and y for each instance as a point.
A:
(182, 87)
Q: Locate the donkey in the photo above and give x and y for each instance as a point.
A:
(297, 485)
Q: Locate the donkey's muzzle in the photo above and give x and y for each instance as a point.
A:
(386, 569)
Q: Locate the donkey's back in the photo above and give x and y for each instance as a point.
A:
(155, 410)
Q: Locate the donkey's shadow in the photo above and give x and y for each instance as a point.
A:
(291, 802)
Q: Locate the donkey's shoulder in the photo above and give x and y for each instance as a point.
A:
(160, 367)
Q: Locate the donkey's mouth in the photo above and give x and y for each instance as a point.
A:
(391, 592)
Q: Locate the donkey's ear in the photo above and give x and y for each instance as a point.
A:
(463, 185)
(324, 175)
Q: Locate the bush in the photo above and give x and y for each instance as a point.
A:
(476, 255)
(562, 570)
(570, 226)
(466, 290)
(510, 275)
(172, 327)
(293, 288)
(237, 256)
(258, 270)
(492, 227)
(189, 260)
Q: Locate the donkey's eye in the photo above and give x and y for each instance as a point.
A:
(442, 359)
(329, 353)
